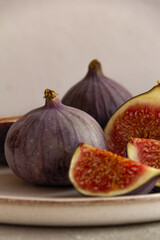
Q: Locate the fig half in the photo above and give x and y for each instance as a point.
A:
(146, 151)
(96, 172)
(138, 118)
(5, 124)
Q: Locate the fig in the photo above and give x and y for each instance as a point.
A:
(5, 124)
(146, 151)
(97, 94)
(96, 172)
(139, 117)
(39, 146)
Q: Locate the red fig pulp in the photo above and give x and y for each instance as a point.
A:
(39, 146)
(97, 172)
(97, 94)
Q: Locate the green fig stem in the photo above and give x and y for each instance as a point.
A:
(95, 64)
(49, 94)
(95, 67)
(52, 99)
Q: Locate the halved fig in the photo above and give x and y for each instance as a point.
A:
(5, 124)
(139, 118)
(146, 151)
(96, 172)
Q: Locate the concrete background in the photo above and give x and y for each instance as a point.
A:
(49, 44)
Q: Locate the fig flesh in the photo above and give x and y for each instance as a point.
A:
(146, 151)
(96, 172)
(139, 117)
(39, 146)
(5, 124)
(97, 94)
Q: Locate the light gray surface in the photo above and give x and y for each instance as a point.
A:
(147, 231)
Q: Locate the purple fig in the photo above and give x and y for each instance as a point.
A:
(97, 94)
(5, 124)
(39, 146)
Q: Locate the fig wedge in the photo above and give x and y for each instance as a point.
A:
(96, 172)
(146, 151)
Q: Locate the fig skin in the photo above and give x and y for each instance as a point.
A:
(94, 172)
(136, 118)
(39, 146)
(97, 94)
(5, 124)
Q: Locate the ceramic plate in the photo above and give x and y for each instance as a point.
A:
(22, 203)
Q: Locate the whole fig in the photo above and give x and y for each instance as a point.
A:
(39, 146)
(5, 124)
(97, 94)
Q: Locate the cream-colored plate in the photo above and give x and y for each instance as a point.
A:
(22, 203)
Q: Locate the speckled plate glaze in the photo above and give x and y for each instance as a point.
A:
(22, 203)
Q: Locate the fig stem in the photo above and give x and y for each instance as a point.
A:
(49, 94)
(95, 66)
(94, 63)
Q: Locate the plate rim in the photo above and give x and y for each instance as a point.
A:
(80, 200)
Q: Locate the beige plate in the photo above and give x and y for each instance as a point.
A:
(22, 203)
